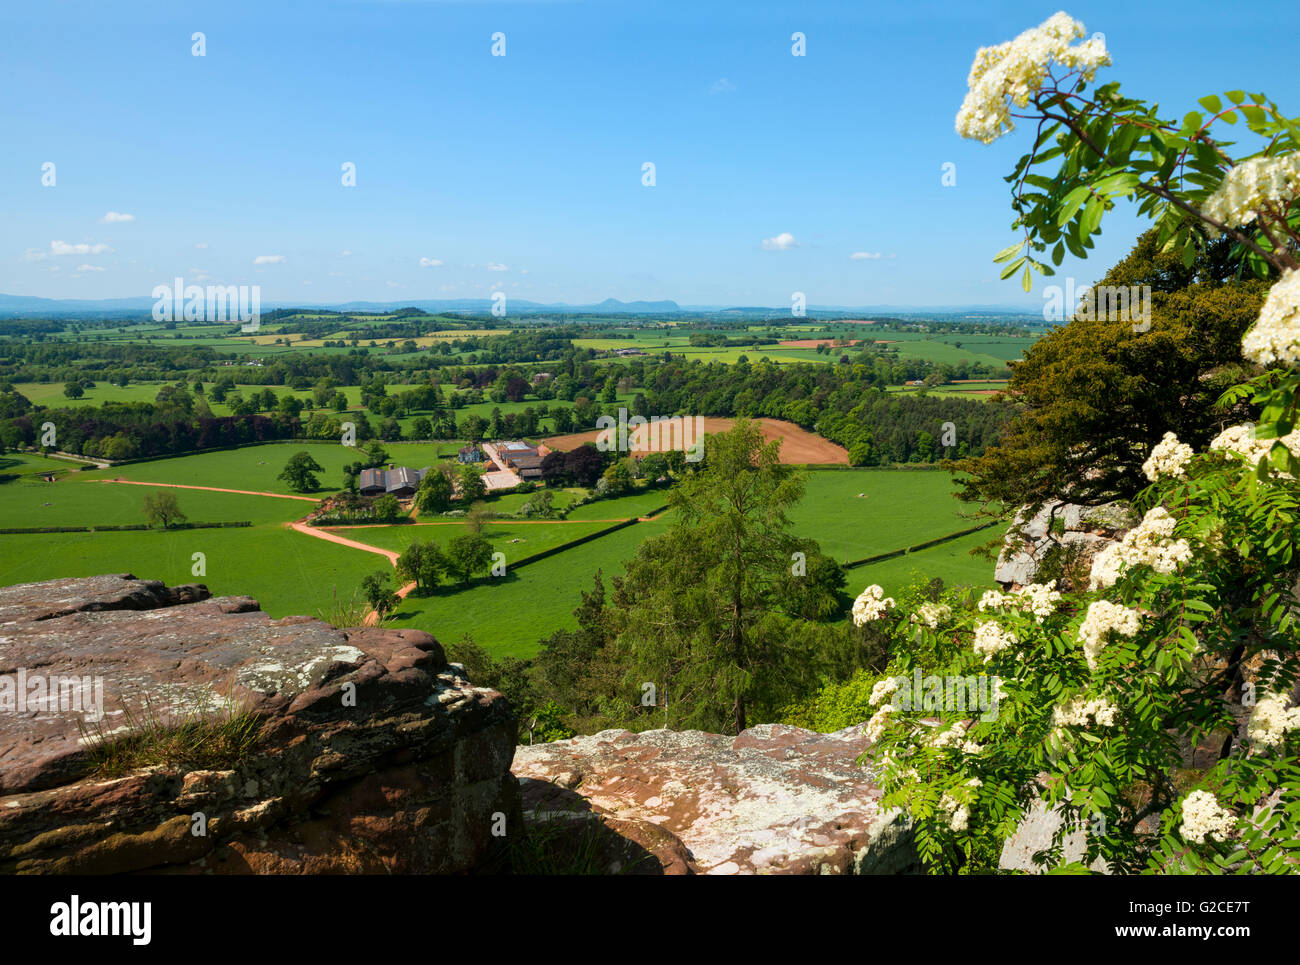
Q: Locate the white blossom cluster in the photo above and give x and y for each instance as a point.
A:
(1241, 441)
(1102, 619)
(991, 639)
(1203, 818)
(871, 604)
(1036, 598)
(1147, 544)
(895, 770)
(1168, 458)
(1271, 719)
(1250, 185)
(955, 736)
(958, 814)
(882, 689)
(952, 737)
(879, 723)
(1081, 712)
(1275, 336)
(1014, 71)
(931, 614)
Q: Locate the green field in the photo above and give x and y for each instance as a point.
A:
(290, 572)
(51, 394)
(899, 508)
(622, 507)
(510, 616)
(287, 572)
(515, 539)
(255, 468)
(14, 464)
(950, 561)
(993, 349)
(78, 501)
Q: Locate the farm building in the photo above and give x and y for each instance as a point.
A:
(521, 457)
(514, 445)
(470, 453)
(401, 481)
(528, 466)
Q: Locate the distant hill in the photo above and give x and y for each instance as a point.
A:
(614, 305)
(31, 305)
(14, 306)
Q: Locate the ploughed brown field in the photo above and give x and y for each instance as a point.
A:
(798, 446)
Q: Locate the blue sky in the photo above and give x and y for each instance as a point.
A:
(524, 172)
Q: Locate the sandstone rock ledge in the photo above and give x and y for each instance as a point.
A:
(411, 777)
(774, 800)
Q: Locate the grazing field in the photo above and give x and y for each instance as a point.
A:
(897, 508)
(51, 393)
(76, 501)
(255, 468)
(515, 538)
(513, 502)
(508, 617)
(798, 445)
(287, 572)
(30, 463)
(851, 513)
(950, 562)
(622, 507)
(798, 343)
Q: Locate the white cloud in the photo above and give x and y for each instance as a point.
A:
(116, 217)
(201, 244)
(392, 284)
(63, 248)
(782, 242)
(870, 256)
(493, 266)
(722, 86)
(269, 260)
(344, 253)
(430, 263)
(90, 268)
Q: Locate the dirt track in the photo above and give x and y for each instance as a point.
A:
(372, 618)
(798, 446)
(211, 489)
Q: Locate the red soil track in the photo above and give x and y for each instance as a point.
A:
(211, 489)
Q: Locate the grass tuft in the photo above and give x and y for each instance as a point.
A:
(189, 740)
